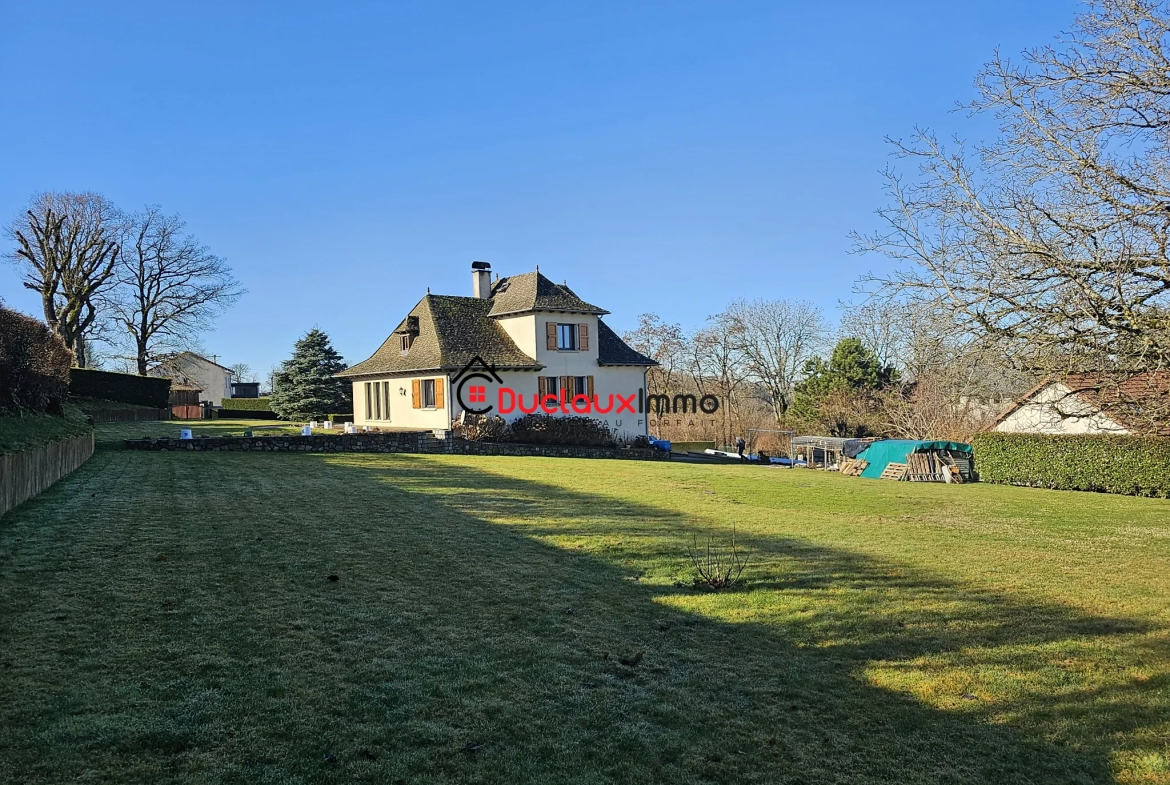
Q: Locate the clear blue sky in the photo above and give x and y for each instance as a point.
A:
(344, 156)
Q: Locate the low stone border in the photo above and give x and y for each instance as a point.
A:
(401, 441)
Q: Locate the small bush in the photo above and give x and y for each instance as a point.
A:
(481, 428)
(717, 569)
(247, 404)
(549, 429)
(34, 366)
(340, 418)
(151, 391)
(1131, 465)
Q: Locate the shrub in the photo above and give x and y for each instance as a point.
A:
(481, 428)
(34, 366)
(1131, 465)
(151, 391)
(549, 429)
(340, 418)
(247, 404)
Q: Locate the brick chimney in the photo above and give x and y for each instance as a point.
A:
(481, 280)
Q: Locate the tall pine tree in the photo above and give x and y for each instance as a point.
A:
(305, 388)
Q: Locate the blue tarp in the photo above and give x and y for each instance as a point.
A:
(887, 451)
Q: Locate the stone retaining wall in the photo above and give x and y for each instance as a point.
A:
(403, 441)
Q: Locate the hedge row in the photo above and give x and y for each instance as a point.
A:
(151, 391)
(1131, 465)
(34, 366)
(244, 414)
(247, 404)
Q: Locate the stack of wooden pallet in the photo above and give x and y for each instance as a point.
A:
(933, 466)
(853, 467)
(894, 471)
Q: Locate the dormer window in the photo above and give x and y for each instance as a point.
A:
(407, 340)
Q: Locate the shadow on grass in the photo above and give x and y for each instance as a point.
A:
(475, 634)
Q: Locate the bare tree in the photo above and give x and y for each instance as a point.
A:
(242, 372)
(1050, 244)
(775, 338)
(664, 343)
(170, 286)
(67, 243)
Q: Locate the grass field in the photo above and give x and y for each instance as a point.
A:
(170, 617)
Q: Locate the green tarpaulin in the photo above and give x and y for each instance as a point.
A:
(881, 454)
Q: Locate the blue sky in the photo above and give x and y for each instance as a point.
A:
(665, 157)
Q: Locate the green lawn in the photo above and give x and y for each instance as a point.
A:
(168, 617)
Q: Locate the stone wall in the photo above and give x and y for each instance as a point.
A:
(400, 441)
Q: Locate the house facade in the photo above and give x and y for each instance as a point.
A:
(1083, 404)
(518, 345)
(213, 381)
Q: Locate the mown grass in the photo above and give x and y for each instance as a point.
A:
(24, 432)
(169, 617)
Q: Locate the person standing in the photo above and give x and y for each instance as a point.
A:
(740, 445)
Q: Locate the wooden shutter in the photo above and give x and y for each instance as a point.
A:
(440, 403)
(567, 388)
(582, 336)
(416, 393)
(550, 332)
(589, 382)
(542, 385)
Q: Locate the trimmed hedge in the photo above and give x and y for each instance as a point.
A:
(548, 429)
(340, 418)
(152, 391)
(34, 366)
(244, 414)
(247, 404)
(1130, 465)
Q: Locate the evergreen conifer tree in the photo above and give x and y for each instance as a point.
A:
(305, 388)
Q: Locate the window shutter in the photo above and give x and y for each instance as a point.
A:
(582, 337)
(542, 385)
(416, 393)
(440, 403)
(566, 388)
(550, 332)
(589, 382)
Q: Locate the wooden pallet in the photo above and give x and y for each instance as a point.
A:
(852, 467)
(894, 471)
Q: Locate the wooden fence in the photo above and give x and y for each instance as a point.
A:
(25, 474)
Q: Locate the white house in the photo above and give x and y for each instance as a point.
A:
(212, 379)
(1084, 404)
(518, 345)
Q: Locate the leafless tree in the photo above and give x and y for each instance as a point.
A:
(242, 372)
(1051, 244)
(67, 244)
(170, 286)
(775, 338)
(664, 343)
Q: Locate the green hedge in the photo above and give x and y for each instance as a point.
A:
(247, 404)
(1131, 465)
(336, 418)
(244, 414)
(34, 366)
(149, 391)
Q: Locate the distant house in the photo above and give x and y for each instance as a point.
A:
(1084, 404)
(540, 346)
(245, 389)
(212, 379)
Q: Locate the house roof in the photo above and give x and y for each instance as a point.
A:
(612, 350)
(451, 331)
(1137, 404)
(534, 292)
(201, 357)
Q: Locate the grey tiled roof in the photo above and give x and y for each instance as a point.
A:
(612, 350)
(534, 292)
(451, 330)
